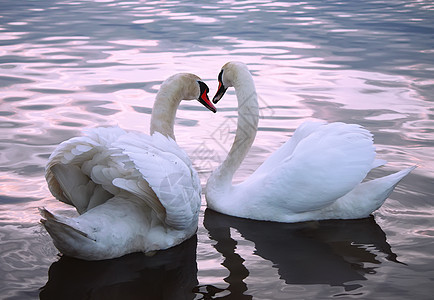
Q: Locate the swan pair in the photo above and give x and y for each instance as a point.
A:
(136, 192)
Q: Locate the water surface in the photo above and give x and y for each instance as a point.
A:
(70, 65)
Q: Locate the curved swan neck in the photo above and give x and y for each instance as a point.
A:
(248, 117)
(164, 110)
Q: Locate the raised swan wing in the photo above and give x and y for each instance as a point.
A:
(320, 167)
(87, 171)
(168, 171)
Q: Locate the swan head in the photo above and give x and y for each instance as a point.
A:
(230, 74)
(188, 87)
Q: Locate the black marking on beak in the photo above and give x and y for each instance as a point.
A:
(221, 89)
(203, 97)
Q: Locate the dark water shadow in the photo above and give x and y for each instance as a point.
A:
(169, 274)
(333, 252)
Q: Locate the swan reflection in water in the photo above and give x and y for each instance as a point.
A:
(169, 274)
(334, 253)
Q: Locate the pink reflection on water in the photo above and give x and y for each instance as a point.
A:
(139, 43)
(11, 35)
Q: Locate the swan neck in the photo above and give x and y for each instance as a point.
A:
(248, 117)
(164, 112)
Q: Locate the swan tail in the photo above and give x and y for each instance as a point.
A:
(378, 163)
(66, 237)
(370, 195)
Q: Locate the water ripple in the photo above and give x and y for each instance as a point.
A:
(66, 66)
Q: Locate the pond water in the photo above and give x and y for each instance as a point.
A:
(70, 65)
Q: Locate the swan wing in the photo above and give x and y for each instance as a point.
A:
(87, 171)
(276, 158)
(324, 165)
(167, 170)
(69, 168)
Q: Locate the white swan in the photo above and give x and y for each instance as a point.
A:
(315, 175)
(134, 192)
